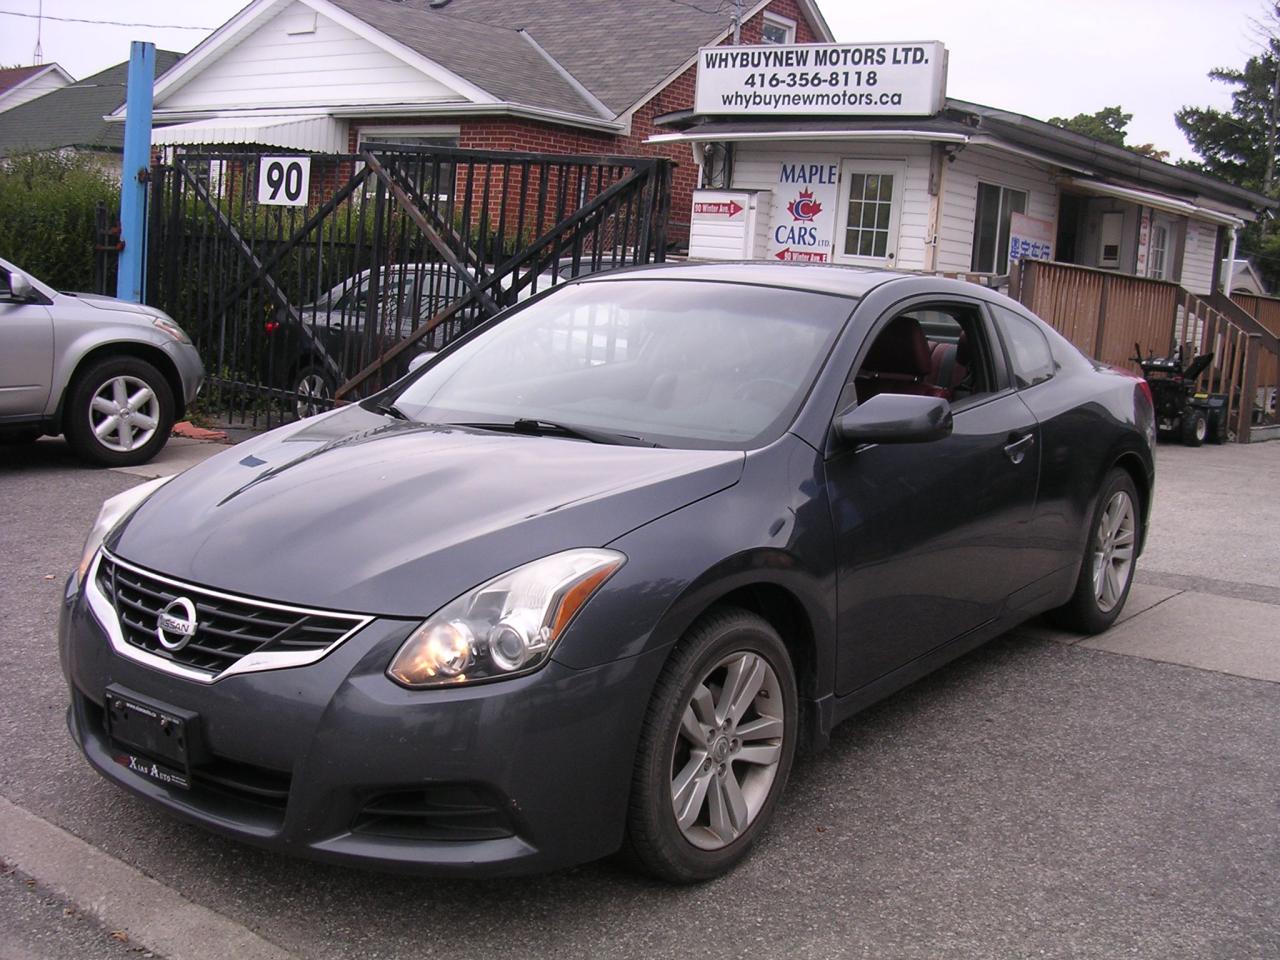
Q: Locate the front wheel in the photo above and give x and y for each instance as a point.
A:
(1112, 550)
(715, 750)
(119, 412)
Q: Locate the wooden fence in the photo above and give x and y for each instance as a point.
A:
(1105, 314)
(1266, 310)
(1102, 313)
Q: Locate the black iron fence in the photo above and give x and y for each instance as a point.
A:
(391, 252)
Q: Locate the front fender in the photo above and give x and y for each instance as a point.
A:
(772, 528)
(73, 342)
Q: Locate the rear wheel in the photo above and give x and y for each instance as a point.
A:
(716, 749)
(1217, 426)
(119, 412)
(1195, 427)
(1112, 550)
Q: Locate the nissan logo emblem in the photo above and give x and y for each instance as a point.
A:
(176, 624)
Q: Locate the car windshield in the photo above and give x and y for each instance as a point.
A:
(669, 362)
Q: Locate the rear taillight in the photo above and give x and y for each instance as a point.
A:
(271, 326)
(1146, 392)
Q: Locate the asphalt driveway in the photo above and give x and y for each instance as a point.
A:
(1041, 797)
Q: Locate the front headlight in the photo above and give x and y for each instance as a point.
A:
(112, 512)
(505, 627)
(172, 329)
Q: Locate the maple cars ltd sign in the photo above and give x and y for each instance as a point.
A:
(804, 205)
(873, 79)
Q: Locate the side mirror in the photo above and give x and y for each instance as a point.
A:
(895, 418)
(420, 359)
(19, 287)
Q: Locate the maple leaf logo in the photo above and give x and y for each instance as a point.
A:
(804, 207)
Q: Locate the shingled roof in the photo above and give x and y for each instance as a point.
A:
(619, 50)
(493, 57)
(10, 77)
(72, 116)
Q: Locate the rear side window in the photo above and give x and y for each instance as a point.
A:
(1029, 353)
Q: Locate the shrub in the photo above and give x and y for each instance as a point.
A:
(48, 206)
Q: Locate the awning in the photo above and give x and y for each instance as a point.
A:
(1159, 201)
(315, 133)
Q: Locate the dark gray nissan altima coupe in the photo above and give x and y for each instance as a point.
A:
(586, 579)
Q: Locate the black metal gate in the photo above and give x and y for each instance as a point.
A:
(395, 251)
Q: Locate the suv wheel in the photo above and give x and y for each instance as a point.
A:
(119, 412)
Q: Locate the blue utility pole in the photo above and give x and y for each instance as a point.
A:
(136, 174)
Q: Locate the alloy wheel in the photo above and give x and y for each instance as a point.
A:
(726, 751)
(313, 395)
(1114, 550)
(124, 413)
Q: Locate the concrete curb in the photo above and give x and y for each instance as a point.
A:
(121, 897)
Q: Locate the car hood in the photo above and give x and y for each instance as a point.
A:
(354, 511)
(99, 302)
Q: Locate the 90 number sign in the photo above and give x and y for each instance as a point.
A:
(284, 181)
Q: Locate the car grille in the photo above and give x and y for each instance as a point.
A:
(228, 628)
(438, 812)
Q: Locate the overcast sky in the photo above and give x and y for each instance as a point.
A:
(1046, 59)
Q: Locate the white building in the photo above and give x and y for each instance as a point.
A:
(911, 179)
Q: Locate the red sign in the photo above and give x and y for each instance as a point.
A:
(718, 208)
(801, 256)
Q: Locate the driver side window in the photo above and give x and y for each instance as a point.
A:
(938, 350)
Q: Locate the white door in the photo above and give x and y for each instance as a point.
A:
(1159, 254)
(870, 210)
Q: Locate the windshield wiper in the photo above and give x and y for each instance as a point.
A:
(541, 428)
(391, 410)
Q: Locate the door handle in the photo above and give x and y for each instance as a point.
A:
(1017, 447)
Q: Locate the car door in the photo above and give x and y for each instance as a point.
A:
(26, 355)
(928, 535)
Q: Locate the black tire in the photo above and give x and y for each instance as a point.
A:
(82, 417)
(1217, 427)
(314, 387)
(1195, 427)
(1086, 612)
(720, 641)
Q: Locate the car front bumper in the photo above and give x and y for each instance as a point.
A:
(336, 762)
(190, 368)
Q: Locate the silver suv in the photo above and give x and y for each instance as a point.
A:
(111, 375)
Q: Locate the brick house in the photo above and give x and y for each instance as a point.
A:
(558, 76)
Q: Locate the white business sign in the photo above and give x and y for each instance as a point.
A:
(1030, 239)
(804, 209)
(284, 181)
(883, 79)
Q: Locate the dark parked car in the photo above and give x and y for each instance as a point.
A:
(587, 576)
(336, 324)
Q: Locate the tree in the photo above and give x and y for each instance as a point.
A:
(1108, 125)
(1238, 145)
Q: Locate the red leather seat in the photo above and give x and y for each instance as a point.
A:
(950, 364)
(899, 362)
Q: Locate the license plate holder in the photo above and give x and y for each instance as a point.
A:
(150, 739)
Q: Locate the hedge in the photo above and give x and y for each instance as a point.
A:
(47, 215)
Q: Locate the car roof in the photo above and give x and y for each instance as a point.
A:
(846, 281)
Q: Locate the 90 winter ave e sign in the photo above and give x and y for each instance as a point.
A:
(882, 79)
